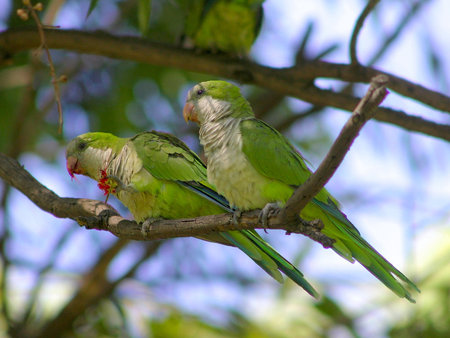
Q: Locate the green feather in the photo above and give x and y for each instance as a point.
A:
(270, 169)
(229, 26)
(163, 178)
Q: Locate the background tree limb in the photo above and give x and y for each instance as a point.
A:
(295, 81)
(364, 111)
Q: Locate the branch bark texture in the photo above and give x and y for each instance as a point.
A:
(364, 111)
(295, 81)
(91, 213)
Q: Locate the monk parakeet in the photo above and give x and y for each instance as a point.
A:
(229, 26)
(155, 175)
(254, 166)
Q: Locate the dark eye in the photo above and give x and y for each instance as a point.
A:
(200, 92)
(82, 145)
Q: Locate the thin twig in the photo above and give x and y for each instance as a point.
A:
(358, 25)
(382, 49)
(4, 270)
(362, 113)
(403, 23)
(55, 80)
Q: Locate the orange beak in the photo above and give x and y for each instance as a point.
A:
(189, 113)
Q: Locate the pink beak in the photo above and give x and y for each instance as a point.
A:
(73, 166)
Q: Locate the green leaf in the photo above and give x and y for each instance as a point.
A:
(92, 6)
(144, 9)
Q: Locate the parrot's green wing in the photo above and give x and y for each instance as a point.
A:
(167, 158)
(274, 157)
(262, 145)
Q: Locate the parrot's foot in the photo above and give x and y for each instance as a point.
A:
(100, 222)
(313, 230)
(147, 225)
(236, 216)
(269, 210)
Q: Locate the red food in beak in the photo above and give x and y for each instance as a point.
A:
(73, 166)
(189, 113)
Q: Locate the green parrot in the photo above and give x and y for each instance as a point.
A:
(229, 26)
(155, 175)
(254, 166)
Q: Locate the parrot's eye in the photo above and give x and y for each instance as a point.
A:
(200, 92)
(82, 145)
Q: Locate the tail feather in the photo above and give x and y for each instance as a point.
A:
(252, 244)
(208, 193)
(349, 240)
(283, 265)
(258, 256)
(267, 258)
(387, 279)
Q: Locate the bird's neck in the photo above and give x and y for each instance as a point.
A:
(125, 164)
(218, 135)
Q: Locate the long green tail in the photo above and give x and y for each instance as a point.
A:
(252, 244)
(350, 245)
(267, 258)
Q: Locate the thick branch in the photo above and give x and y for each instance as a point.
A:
(92, 213)
(363, 112)
(293, 81)
(320, 97)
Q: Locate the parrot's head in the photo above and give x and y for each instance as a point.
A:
(212, 101)
(88, 154)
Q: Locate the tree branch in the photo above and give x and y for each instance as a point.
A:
(364, 111)
(358, 25)
(295, 81)
(98, 215)
(384, 114)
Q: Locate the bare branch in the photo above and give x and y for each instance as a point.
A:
(295, 81)
(98, 215)
(358, 25)
(319, 97)
(363, 112)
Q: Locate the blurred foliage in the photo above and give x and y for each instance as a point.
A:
(184, 287)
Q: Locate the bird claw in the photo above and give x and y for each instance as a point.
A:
(147, 224)
(269, 210)
(99, 222)
(236, 216)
